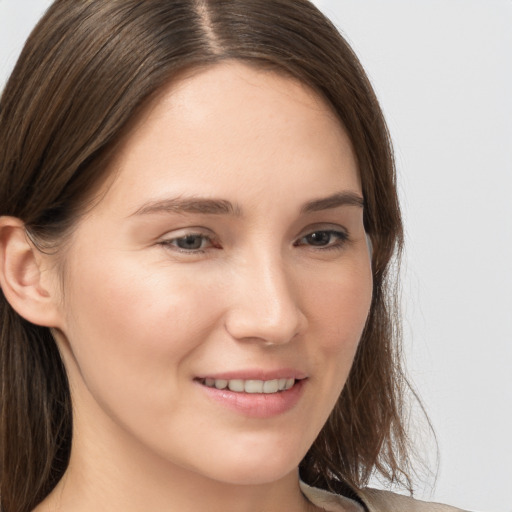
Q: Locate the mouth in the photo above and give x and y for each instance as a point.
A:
(251, 386)
(270, 395)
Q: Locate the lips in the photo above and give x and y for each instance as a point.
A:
(250, 385)
(255, 393)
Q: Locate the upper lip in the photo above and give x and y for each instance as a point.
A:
(256, 374)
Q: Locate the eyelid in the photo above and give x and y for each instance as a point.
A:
(341, 233)
(187, 231)
(169, 239)
(337, 228)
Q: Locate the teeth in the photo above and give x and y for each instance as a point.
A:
(253, 386)
(235, 385)
(250, 386)
(270, 386)
(220, 383)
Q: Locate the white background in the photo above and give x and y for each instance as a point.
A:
(443, 72)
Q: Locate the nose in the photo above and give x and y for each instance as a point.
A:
(265, 303)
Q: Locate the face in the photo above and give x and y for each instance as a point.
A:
(214, 297)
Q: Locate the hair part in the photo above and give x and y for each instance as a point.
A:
(89, 68)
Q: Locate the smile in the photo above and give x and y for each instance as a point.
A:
(250, 385)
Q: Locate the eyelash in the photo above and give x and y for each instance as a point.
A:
(341, 237)
(172, 242)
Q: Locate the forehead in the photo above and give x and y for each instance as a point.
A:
(234, 127)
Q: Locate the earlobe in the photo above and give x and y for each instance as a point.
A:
(24, 279)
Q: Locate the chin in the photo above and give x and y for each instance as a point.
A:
(259, 475)
(255, 467)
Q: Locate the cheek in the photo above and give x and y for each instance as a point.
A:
(124, 302)
(339, 306)
(130, 329)
(132, 333)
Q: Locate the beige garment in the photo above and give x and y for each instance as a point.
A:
(375, 500)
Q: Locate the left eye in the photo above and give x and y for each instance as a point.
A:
(323, 238)
(191, 242)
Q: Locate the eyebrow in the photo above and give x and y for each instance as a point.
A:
(333, 201)
(223, 207)
(190, 205)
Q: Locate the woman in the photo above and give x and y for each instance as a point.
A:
(198, 216)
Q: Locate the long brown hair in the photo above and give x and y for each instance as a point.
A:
(87, 69)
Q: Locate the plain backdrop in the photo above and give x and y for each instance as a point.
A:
(443, 72)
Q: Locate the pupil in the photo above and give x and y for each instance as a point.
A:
(190, 242)
(319, 238)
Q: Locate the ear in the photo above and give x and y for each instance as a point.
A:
(26, 277)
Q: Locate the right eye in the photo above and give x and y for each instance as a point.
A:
(189, 243)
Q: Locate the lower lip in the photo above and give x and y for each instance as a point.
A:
(257, 405)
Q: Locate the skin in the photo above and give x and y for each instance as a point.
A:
(138, 318)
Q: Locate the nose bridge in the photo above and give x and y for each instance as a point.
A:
(265, 303)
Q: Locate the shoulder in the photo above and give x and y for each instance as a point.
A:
(385, 501)
(374, 501)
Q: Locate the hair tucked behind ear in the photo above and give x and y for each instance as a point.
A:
(87, 69)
